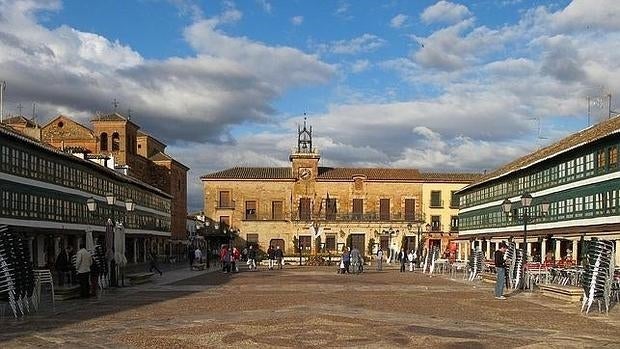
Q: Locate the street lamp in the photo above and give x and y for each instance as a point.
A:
(526, 217)
(419, 225)
(389, 232)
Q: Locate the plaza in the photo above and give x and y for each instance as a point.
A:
(311, 307)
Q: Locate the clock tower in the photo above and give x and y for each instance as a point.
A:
(305, 158)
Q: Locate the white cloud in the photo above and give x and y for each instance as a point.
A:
(582, 15)
(398, 21)
(265, 5)
(445, 12)
(364, 43)
(360, 65)
(230, 80)
(297, 20)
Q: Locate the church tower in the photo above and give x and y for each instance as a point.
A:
(305, 159)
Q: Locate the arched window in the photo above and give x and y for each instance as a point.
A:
(116, 142)
(104, 141)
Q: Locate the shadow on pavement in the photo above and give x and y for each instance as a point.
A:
(108, 302)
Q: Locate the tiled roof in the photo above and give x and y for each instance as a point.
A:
(159, 156)
(252, 173)
(588, 135)
(370, 173)
(110, 117)
(451, 176)
(341, 173)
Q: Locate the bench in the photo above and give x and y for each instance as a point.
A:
(566, 293)
(199, 266)
(139, 278)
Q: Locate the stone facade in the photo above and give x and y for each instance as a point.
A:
(343, 206)
(118, 137)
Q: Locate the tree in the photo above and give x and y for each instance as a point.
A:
(317, 244)
(371, 244)
(296, 244)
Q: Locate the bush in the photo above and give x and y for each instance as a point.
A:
(315, 261)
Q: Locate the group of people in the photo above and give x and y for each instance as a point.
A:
(276, 257)
(351, 261)
(229, 259)
(77, 266)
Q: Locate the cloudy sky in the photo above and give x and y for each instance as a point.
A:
(445, 86)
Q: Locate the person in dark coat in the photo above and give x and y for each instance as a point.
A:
(271, 253)
(63, 267)
(279, 255)
(190, 254)
(346, 259)
(402, 257)
(153, 262)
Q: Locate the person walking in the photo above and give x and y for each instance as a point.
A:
(279, 257)
(271, 254)
(355, 260)
(379, 259)
(252, 258)
(346, 259)
(236, 256)
(153, 263)
(500, 268)
(83, 261)
(402, 257)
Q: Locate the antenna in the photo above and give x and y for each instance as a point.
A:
(2, 88)
(34, 111)
(19, 108)
(115, 104)
(539, 136)
(129, 114)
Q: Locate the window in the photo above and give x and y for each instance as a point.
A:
(613, 156)
(454, 202)
(384, 209)
(562, 172)
(601, 160)
(436, 198)
(435, 223)
(104, 141)
(330, 208)
(224, 199)
(570, 170)
(330, 242)
(304, 209)
(589, 163)
(578, 204)
(224, 221)
(276, 210)
(358, 209)
(252, 240)
(250, 210)
(305, 242)
(410, 210)
(116, 142)
(579, 167)
(454, 223)
(588, 204)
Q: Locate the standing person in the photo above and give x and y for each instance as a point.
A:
(251, 258)
(271, 254)
(63, 267)
(346, 259)
(411, 258)
(402, 257)
(191, 256)
(500, 267)
(279, 257)
(379, 259)
(83, 261)
(236, 257)
(354, 257)
(198, 255)
(223, 254)
(153, 262)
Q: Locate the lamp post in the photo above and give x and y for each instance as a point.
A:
(419, 225)
(389, 232)
(91, 205)
(526, 217)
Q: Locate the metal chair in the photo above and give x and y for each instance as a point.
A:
(42, 277)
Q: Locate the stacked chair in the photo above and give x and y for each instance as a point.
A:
(598, 277)
(476, 264)
(16, 274)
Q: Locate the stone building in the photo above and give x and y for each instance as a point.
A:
(577, 179)
(318, 208)
(119, 140)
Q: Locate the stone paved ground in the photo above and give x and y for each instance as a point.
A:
(313, 308)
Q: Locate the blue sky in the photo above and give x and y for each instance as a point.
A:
(434, 85)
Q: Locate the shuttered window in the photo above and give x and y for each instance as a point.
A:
(304, 209)
(276, 210)
(384, 209)
(410, 210)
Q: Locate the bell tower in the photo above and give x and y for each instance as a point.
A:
(305, 158)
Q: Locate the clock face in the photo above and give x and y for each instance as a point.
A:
(305, 173)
